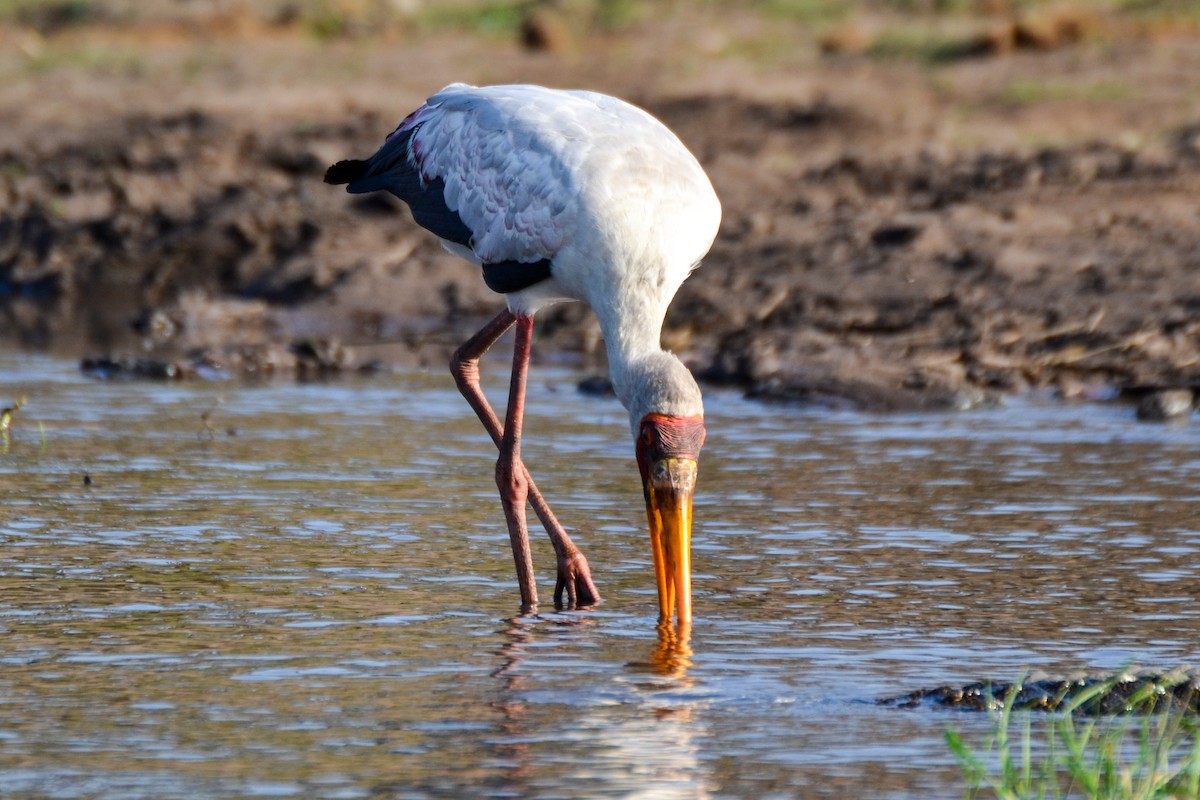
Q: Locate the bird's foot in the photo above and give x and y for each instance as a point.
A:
(575, 577)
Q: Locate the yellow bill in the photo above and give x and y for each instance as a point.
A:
(670, 486)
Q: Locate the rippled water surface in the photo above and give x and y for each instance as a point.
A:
(312, 596)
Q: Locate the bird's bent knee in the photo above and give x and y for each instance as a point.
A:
(464, 370)
(511, 482)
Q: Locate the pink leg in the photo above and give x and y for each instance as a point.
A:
(573, 573)
(511, 477)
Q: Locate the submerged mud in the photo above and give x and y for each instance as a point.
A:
(913, 279)
(1132, 691)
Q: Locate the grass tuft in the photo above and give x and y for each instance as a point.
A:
(1150, 757)
(1025, 92)
(489, 19)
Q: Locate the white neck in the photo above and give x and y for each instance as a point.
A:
(646, 378)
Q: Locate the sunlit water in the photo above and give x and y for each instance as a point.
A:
(311, 594)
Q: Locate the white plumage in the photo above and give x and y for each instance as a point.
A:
(577, 177)
(560, 195)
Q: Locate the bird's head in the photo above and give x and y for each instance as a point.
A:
(666, 413)
(668, 452)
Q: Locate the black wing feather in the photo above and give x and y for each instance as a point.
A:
(346, 171)
(513, 276)
(390, 170)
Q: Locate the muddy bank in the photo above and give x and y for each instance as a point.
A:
(845, 273)
(933, 279)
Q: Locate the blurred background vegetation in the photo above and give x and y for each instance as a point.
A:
(923, 29)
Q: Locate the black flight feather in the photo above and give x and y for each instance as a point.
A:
(346, 171)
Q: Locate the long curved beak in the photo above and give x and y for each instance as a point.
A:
(670, 485)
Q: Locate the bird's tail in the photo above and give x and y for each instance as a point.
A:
(346, 171)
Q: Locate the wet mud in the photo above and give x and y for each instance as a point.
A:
(1133, 691)
(855, 266)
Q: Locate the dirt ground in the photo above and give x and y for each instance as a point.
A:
(899, 232)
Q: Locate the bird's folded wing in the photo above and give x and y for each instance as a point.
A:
(507, 174)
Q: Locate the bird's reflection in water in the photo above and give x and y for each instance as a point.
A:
(643, 745)
(652, 747)
(517, 734)
(512, 746)
(672, 655)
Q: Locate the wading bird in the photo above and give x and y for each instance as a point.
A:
(567, 195)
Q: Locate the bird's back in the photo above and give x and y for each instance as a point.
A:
(527, 177)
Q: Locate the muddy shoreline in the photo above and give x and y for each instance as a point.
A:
(860, 262)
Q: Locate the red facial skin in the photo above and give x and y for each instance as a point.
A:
(662, 436)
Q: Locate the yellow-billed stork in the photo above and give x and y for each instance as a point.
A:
(567, 195)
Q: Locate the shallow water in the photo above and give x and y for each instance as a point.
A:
(313, 596)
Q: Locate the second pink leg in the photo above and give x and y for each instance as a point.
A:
(573, 573)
